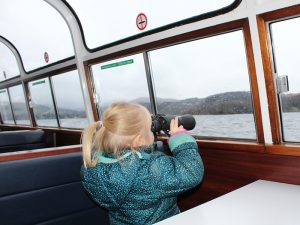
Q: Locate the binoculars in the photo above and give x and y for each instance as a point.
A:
(162, 122)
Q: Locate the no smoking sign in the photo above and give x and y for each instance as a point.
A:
(141, 21)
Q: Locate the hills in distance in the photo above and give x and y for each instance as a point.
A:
(239, 102)
(224, 103)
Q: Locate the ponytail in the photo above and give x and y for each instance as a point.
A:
(87, 140)
(122, 123)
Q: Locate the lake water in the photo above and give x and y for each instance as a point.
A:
(227, 126)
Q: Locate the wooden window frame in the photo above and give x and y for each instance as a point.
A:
(266, 52)
(242, 24)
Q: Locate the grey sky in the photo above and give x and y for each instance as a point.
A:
(117, 19)
(35, 27)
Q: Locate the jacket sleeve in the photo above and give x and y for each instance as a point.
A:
(183, 171)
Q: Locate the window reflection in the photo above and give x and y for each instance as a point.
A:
(5, 109)
(19, 105)
(42, 103)
(69, 100)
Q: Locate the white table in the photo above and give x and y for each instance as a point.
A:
(259, 203)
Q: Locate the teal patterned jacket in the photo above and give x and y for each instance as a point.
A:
(142, 187)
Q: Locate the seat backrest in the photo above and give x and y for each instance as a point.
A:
(46, 191)
(22, 140)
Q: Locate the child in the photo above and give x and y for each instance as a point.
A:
(123, 174)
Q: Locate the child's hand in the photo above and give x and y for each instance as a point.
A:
(174, 127)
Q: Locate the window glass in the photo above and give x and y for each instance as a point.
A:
(121, 80)
(69, 100)
(19, 105)
(286, 49)
(34, 27)
(8, 63)
(209, 79)
(5, 109)
(42, 103)
(109, 21)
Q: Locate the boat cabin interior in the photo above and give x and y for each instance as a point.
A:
(231, 64)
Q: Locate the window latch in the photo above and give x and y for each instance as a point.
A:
(282, 84)
(30, 104)
(96, 98)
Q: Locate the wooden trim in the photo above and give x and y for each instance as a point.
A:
(59, 130)
(281, 13)
(28, 154)
(232, 146)
(226, 171)
(269, 79)
(266, 53)
(88, 75)
(193, 35)
(253, 83)
(284, 149)
(226, 145)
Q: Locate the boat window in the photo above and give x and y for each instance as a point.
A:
(5, 108)
(286, 50)
(42, 103)
(209, 79)
(104, 23)
(19, 105)
(69, 100)
(122, 79)
(8, 63)
(37, 30)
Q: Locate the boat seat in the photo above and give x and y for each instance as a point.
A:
(20, 140)
(46, 191)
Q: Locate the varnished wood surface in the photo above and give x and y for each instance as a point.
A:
(269, 80)
(266, 53)
(12, 156)
(227, 170)
(253, 83)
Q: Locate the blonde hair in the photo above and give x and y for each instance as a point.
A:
(121, 123)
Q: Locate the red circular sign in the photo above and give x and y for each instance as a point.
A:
(141, 21)
(46, 57)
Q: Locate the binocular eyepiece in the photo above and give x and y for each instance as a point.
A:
(162, 122)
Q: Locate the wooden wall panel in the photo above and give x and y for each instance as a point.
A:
(226, 171)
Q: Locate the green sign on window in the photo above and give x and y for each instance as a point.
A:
(38, 82)
(122, 63)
